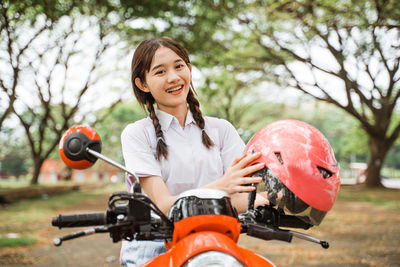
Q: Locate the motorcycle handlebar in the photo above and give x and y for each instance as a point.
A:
(267, 233)
(78, 220)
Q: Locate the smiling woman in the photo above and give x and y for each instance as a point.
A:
(176, 149)
(168, 75)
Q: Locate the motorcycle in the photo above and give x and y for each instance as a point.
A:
(201, 228)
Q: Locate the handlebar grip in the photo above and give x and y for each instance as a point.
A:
(267, 233)
(78, 220)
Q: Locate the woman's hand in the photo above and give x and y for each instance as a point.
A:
(235, 179)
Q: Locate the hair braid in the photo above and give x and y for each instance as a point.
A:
(161, 149)
(194, 107)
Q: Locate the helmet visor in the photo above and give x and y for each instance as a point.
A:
(281, 197)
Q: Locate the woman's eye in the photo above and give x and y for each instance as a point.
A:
(179, 66)
(159, 72)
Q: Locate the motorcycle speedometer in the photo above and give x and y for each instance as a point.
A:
(213, 259)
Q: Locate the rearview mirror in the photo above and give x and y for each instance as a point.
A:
(74, 146)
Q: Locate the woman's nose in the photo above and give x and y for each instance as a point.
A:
(172, 76)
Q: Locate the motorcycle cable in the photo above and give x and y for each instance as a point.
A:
(141, 199)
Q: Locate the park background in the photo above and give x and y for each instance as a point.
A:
(333, 64)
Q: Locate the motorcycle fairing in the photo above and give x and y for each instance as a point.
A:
(198, 234)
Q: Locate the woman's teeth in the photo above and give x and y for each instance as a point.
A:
(175, 89)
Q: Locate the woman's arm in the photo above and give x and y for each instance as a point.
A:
(234, 181)
(158, 192)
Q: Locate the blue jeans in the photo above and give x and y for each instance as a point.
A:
(135, 253)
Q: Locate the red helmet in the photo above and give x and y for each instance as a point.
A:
(73, 144)
(301, 175)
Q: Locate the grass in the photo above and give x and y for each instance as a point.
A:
(17, 241)
(391, 172)
(24, 217)
(6, 184)
(388, 198)
(33, 210)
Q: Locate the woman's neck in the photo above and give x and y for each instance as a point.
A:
(179, 112)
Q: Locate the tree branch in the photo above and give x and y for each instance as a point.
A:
(27, 127)
(395, 134)
(392, 81)
(342, 74)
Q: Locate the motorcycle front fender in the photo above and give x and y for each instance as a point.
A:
(200, 242)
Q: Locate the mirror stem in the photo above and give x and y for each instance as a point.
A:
(116, 164)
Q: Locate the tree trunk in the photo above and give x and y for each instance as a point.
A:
(67, 173)
(38, 162)
(379, 149)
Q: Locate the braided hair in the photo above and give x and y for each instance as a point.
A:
(141, 63)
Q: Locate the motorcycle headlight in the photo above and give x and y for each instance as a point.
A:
(213, 259)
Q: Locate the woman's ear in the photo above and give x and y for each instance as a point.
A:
(141, 86)
(190, 67)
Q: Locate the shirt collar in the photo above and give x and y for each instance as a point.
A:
(166, 119)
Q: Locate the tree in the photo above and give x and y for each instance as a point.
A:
(13, 154)
(17, 35)
(342, 52)
(224, 95)
(52, 60)
(43, 44)
(115, 121)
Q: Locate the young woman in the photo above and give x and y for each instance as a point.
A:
(176, 148)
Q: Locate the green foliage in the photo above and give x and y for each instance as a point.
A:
(114, 122)
(17, 241)
(342, 131)
(241, 100)
(56, 30)
(393, 158)
(15, 161)
(342, 52)
(224, 95)
(14, 154)
(199, 27)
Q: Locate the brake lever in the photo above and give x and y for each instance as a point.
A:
(58, 241)
(324, 244)
(263, 222)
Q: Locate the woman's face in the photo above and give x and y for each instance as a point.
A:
(168, 80)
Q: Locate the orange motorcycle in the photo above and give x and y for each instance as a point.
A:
(202, 227)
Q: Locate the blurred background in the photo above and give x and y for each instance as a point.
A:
(333, 64)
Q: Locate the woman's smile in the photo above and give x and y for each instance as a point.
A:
(175, 90)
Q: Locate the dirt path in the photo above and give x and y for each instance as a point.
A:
(95, 250)
(359, 233)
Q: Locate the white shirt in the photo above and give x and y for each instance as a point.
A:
(190, 164)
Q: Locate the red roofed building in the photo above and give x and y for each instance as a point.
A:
(54, 170)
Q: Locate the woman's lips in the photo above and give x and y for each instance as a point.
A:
(176, 90)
